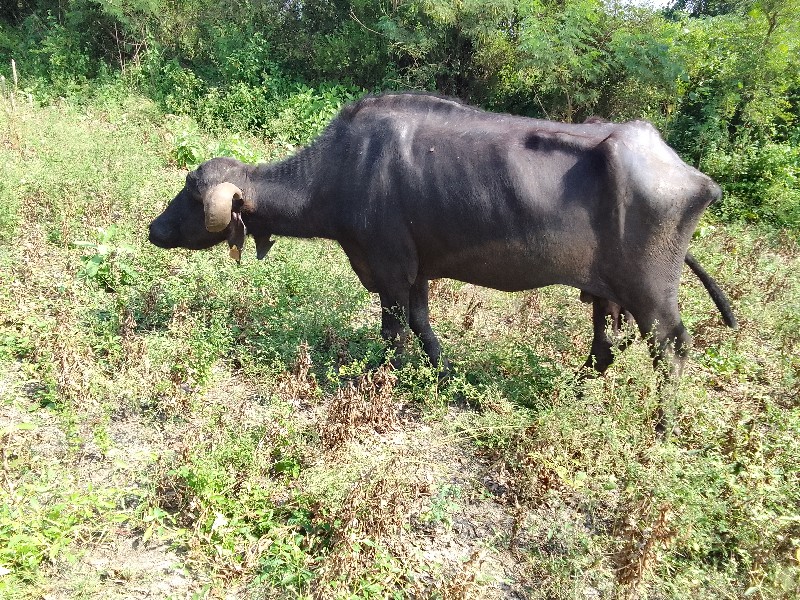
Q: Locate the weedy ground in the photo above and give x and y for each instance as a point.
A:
(175, 426)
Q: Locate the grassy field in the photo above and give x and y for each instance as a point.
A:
(175, 426)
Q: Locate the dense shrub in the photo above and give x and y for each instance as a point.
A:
(718, 78)
(760, 181)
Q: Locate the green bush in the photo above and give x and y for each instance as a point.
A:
(303, 113)
(761, 183)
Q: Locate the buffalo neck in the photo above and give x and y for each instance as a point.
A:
(286, 199)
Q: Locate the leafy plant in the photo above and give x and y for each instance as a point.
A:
(306, 110)
(44, 514)
(188, 152)
(236, 147)
(107, 263)
(443, 505)
(761, 181)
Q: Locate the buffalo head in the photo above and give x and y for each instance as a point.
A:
(207, 210)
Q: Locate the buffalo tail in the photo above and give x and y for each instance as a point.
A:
(717, 295)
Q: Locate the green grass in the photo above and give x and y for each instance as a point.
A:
(173, 408)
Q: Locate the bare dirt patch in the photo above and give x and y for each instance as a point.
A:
(426, 497)
(123, 568)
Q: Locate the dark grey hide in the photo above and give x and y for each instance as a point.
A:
(417, 187)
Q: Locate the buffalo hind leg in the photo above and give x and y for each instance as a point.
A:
(601, 354)
(419, 320)
(669, 343)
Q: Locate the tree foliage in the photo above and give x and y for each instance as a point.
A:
(719, 77)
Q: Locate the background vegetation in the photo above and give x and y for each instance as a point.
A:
(720, 79)
(172, 425)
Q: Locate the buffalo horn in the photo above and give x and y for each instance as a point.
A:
(218, 204)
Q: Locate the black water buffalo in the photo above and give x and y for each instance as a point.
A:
(417, 187)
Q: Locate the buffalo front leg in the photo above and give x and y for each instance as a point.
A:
(394, 323)
(419, 319)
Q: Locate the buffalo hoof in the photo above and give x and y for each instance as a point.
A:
(664, 425)
(445, 373)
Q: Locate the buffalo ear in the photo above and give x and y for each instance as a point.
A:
(237, 236)
(218, 205)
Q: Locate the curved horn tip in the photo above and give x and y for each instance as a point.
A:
(218, 204)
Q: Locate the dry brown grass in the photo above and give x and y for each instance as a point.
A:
(366, 404)
(299, 385)
(375, 545)
(644, 531)
(372, 526)
(523, 476)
